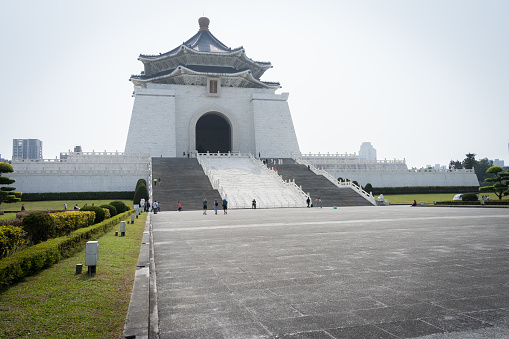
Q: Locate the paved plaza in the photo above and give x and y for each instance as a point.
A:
(356, 272)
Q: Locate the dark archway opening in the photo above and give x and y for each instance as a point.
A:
(213, 134)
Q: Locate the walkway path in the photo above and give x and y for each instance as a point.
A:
(357, 272)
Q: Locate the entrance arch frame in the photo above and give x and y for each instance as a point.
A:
(227, 116)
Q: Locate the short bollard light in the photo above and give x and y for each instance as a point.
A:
(79, 268)
(92, 256)
(132, 218)
(122, 228)
(137, 212)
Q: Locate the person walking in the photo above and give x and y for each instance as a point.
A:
(316, 203)
(308, 201)
(225, 206)
(253, 204)
(205, 206)
(320, 202)
(216, 206)
(179, 206)
(155, 206)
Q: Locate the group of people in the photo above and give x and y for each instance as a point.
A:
(485, 197)
(216, 206)
(318, 202)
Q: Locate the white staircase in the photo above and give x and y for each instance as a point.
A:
(240, 178)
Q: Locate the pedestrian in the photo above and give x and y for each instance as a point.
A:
(155, 182)
(22, 207)
(65, 206)
(316, 203)
(158, 207)
(179, 206)
(225, 206)
(308, 201)
(205, 206)
(253, 204)
(159, 181)
(155, 206)
(216, 206)
(320, 202)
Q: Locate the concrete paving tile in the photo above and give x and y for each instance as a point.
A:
(280, 327)
(400, 312)
(456, 322)
(336, 319)
(360, 332)
(410, 328)
(476, 304)
(499, 317)
(337, 306)
(307, 335)
(247, 331)
(202, 333)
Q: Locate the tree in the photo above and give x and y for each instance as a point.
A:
(6, 193)
(368, 188)
(455, 164)
(501, 179)
(469, 162)
(481, 169)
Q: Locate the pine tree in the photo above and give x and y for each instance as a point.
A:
(6, 192)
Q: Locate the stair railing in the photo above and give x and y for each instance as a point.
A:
(368, 196)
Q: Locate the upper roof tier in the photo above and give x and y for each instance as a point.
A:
(202, 49)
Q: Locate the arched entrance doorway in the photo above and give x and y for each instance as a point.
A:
(213, 134)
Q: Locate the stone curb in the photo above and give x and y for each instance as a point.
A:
(141, 320)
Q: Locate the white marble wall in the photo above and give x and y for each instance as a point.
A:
(259, 118)
(82, 173)
(407, 178)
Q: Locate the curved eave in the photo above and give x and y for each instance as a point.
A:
(183, 70)
(182, 49)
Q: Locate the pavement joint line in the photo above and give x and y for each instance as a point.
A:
(322, 223)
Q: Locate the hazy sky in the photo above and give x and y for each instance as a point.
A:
(427, 81)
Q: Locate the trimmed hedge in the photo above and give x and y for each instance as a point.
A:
(120, 206)
(66, 222)
(140, 193)
(100, 215)
(424, 189)
(39, 226)
(38, 257)
(111, 208)
(126, 195)
(11, 238)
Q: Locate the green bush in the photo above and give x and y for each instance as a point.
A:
(127, 195)
(120, 206)
(100, 215)
(39, 226)
(368, 188)
(36, 258)
(140, 183)
(113, 210)
(140, 193)
(469, 197)
(11, 238)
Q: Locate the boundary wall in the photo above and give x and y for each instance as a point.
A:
(83, 172)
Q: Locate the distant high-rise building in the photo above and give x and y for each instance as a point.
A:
(77, 149)
(26, 149)
(367, 152)
(498, 162)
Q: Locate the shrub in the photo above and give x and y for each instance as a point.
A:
(39, 226)
(469, 197)
(11, 222)
(120, 206)
(35, 258)
(111, 208)
(66, 222)
(140, 193)
(11, 238)
(141, 182)
(107, 214)
(100, 215)
(368, 188)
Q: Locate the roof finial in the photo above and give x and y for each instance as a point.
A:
(204, 23)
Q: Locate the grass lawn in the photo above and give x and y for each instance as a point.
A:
(56, 303)
(428, 198)
(51, 205)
